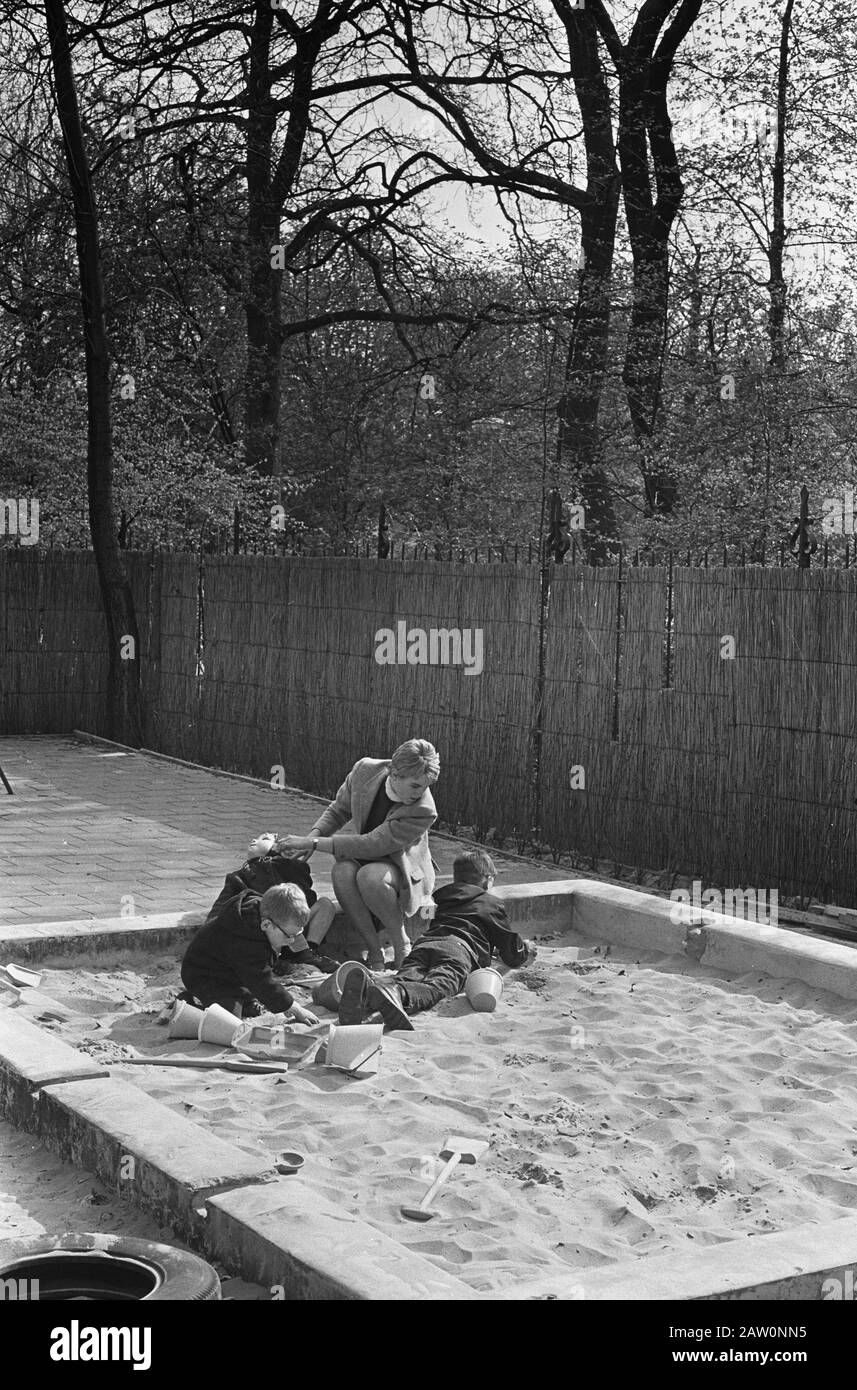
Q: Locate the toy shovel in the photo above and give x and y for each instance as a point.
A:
(456, 1150)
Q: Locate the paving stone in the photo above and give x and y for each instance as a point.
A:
(131, 824)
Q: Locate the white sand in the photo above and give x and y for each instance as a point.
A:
(40, 1194)
(633, 1105)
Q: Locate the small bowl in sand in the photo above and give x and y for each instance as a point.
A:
(289, 1162)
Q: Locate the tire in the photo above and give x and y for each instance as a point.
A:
(106, 1269)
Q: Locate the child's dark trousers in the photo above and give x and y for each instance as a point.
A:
(434, 970)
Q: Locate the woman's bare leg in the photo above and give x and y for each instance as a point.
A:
(344, 880)
(377, 885)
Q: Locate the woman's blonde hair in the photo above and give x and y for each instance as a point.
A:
(416, 757)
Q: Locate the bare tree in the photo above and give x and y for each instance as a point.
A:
(777, 283)
(124, 715)
(652, 192)
(578, 443)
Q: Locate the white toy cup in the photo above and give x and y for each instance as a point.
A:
(349, 1045)
(484, 989)
(185, 1020)
(218, 1025)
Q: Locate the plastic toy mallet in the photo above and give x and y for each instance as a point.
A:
(455, 1150)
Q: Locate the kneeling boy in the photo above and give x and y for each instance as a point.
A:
(470, 924)
(230, 960)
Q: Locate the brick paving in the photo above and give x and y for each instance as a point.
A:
(89, 827)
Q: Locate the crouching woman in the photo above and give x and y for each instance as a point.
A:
(383, 868)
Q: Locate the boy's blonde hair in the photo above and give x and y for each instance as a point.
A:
(285, 905)
(472, 866)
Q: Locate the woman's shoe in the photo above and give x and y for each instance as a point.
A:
(314, 958)
(326, 964)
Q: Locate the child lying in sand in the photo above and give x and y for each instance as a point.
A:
(263, 868)
(470, 924)
(230, 960)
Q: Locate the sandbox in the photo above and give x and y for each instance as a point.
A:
(639, 1106)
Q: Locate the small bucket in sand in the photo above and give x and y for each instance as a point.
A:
(20, 976)
(218, 1025)
(185, 1020)
(350, 1045)
(484, 989)
(329, 992)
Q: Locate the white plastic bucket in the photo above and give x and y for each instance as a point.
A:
(329, 992)
(218, 1025)
(21, 976)
(185, 1020)
(350, 1044)
(484, 989)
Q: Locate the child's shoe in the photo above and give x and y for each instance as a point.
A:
(386, 1000)
(351, 1005)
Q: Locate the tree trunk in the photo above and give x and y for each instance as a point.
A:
(267, 191)
(579, 445)
(264, 345)
(694, 326)
(124, 713)
(777, 283)
(649, 228)
(645, 130)
(262, 308)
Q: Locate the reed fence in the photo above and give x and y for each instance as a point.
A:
(612, 718)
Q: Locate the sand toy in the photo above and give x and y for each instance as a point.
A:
(289, 1162)
(456, 1150)
(244, 1064)
(350, 1047)
(185, 1020)
(276, 1044)
(484, 989)
(21, 976)
(219, 1025)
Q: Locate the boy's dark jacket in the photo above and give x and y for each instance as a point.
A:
(262, 874)
(477, 918)
(232, 951)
